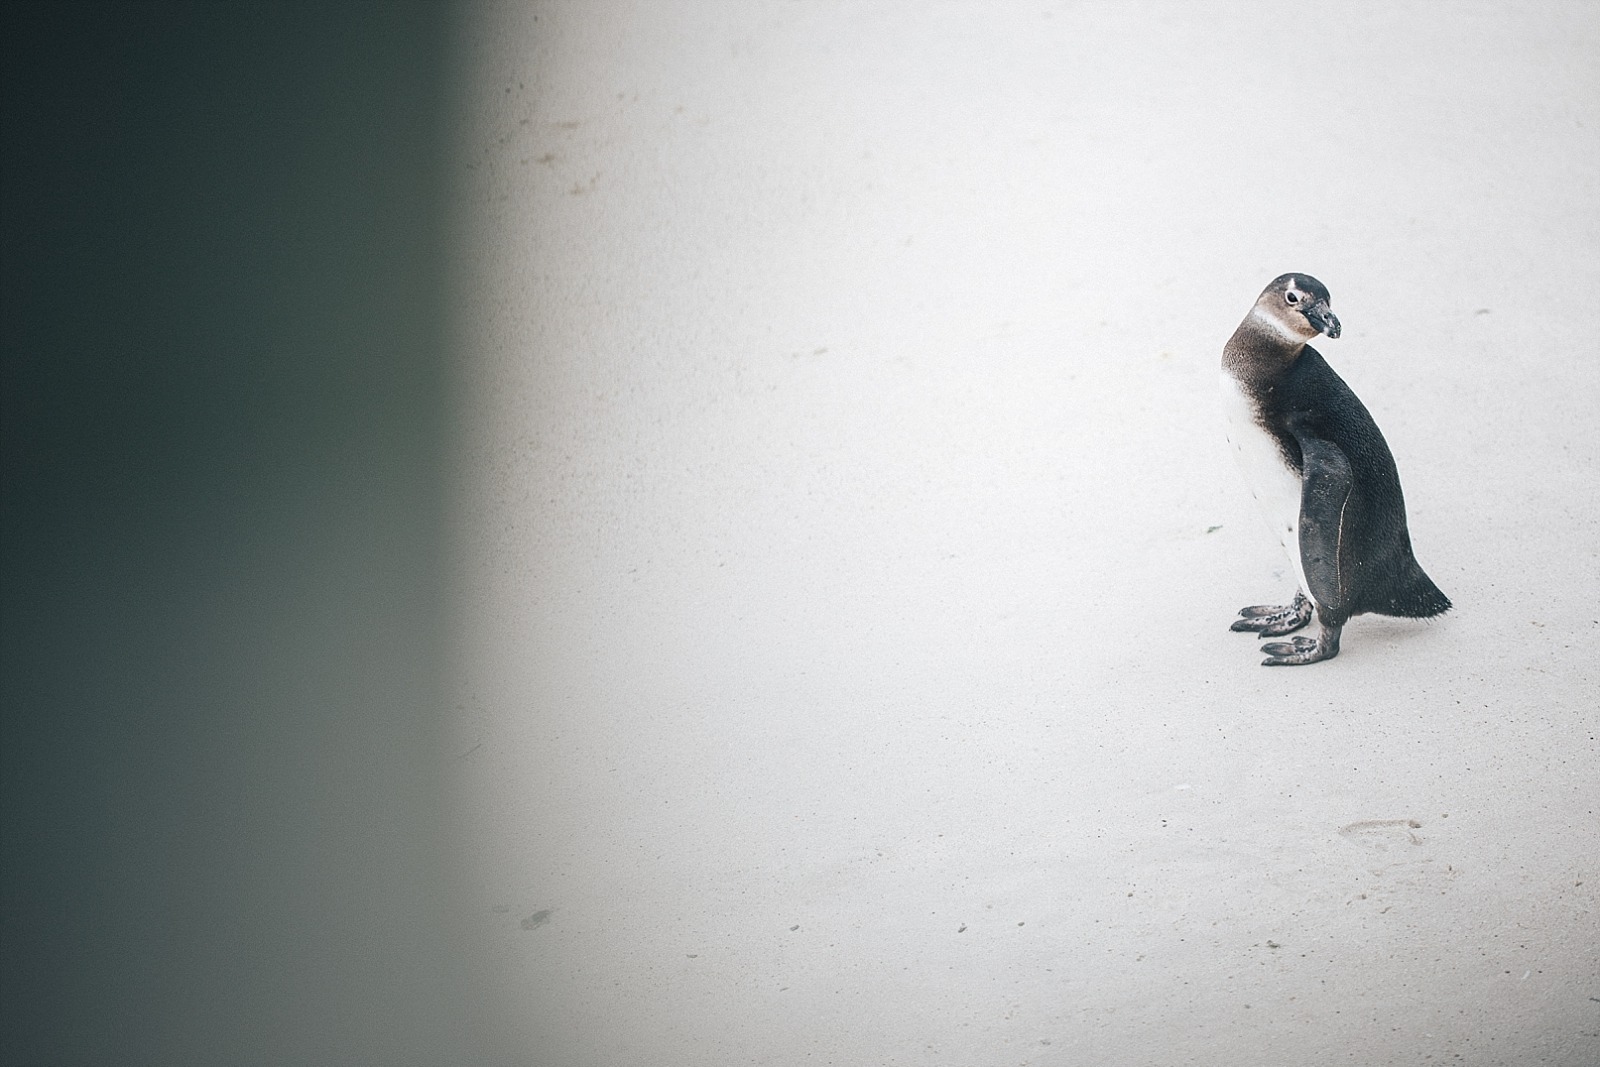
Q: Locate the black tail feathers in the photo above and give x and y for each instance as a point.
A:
(1414, 596)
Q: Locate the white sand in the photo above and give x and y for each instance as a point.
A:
(848, 544)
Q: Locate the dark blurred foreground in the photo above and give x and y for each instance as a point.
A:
(224, 421)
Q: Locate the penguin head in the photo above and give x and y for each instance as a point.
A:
(1297, 305)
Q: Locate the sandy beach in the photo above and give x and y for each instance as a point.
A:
(847, 543)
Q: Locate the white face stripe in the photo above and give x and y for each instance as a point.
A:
(1278, 326)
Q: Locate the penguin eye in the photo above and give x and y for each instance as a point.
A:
(1292, 297)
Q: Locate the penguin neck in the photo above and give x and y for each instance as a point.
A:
(1261, 351)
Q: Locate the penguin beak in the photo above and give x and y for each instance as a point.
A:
(1323, 318)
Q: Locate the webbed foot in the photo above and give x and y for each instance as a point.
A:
(1301, 650)
(1271, 620)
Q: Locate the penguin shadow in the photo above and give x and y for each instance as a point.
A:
(1390, 632)
(1377, 639)
(1382, 636)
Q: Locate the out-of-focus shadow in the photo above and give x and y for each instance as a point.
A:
(225, 418)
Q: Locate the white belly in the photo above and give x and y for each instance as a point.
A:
(1274, 484)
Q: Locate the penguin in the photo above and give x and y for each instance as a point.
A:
(1323, 475)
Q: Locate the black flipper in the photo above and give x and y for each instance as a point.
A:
(1325, 481)
(1325, 491)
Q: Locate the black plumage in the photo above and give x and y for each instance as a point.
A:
(1353, 543)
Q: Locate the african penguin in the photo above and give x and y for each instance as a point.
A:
(1322, 473)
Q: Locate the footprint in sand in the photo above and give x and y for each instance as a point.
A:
(1378, 835)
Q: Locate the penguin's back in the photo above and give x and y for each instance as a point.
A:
(1376, 553)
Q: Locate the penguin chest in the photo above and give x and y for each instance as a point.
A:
(1267, 473)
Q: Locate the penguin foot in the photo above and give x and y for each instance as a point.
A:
(1300, 650)
(1271, 620)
